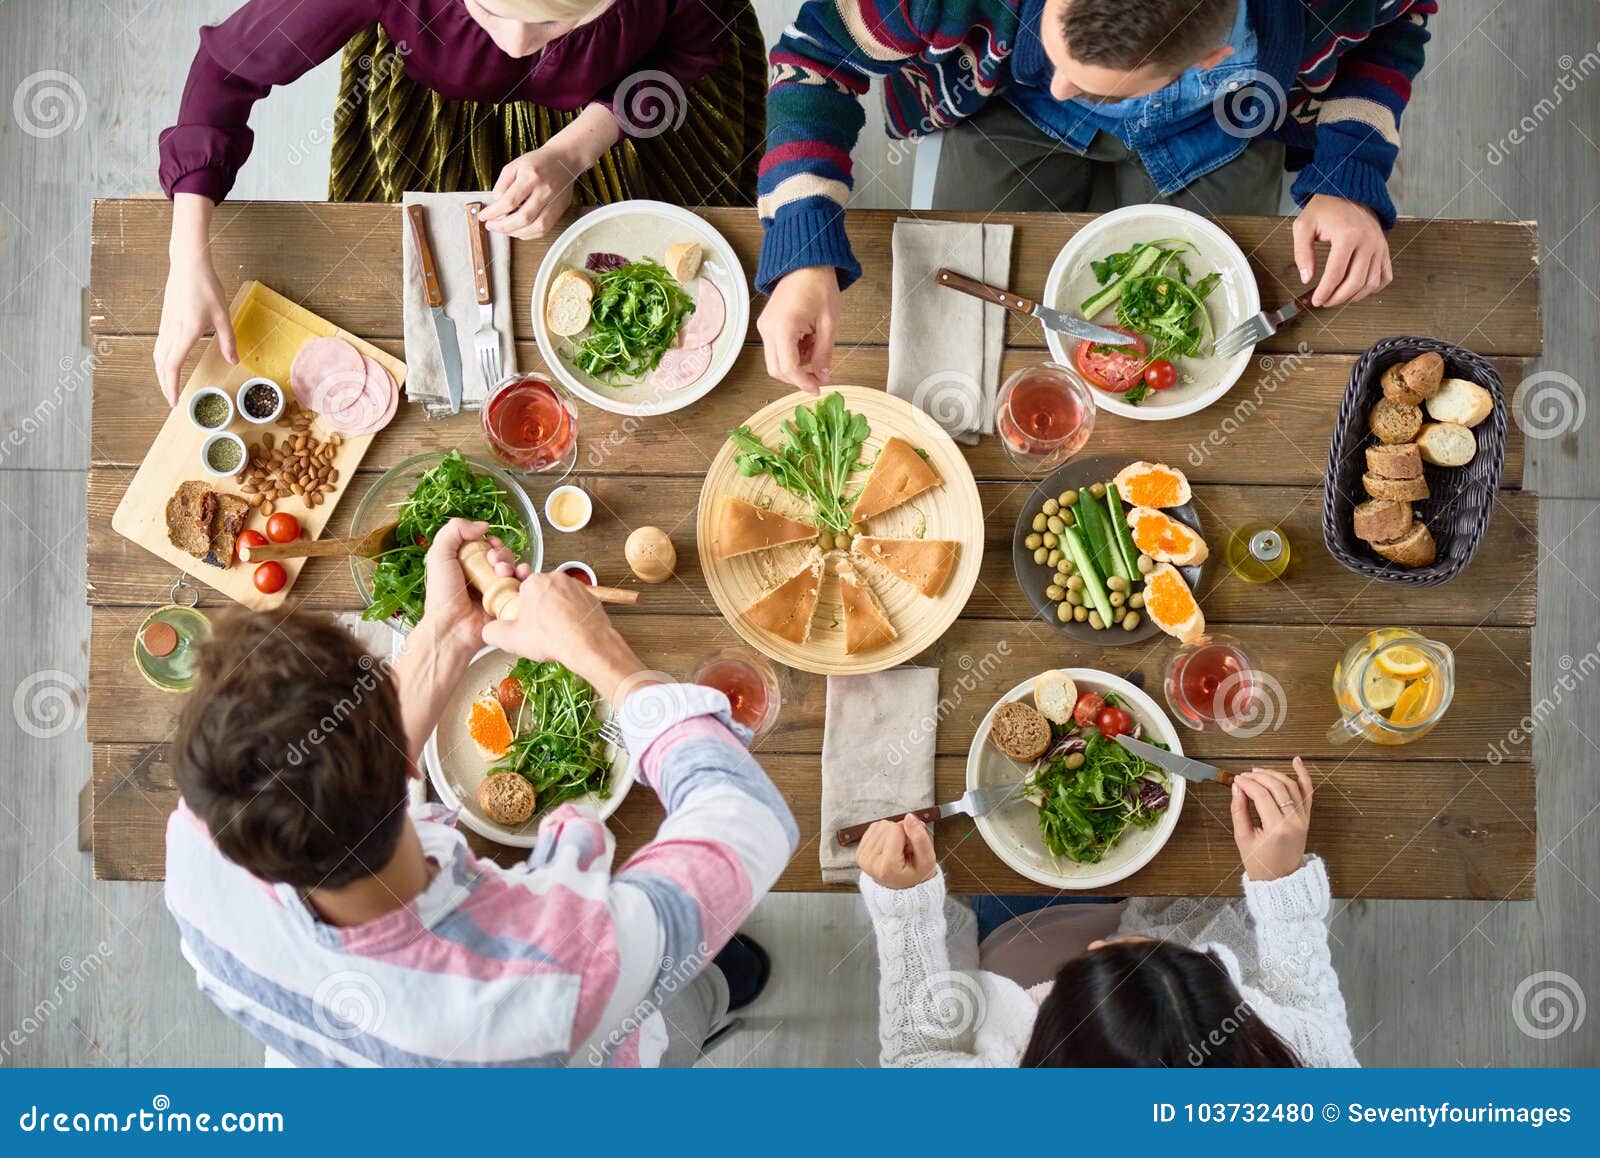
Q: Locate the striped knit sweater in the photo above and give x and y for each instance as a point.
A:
(561, 960)
(1343, 93)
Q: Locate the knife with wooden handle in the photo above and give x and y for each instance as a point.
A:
(444, 328)
(1050, 319)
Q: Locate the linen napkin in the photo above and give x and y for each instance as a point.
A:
(452, 256)
(944, 346)
(877, 754)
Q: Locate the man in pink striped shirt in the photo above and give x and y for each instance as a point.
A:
(343, 928)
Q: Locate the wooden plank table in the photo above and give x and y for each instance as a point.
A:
(1449, 816)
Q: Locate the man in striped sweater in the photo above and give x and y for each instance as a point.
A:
(343, 928)
(1199, 103)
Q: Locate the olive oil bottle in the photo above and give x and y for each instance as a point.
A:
(1258, 552)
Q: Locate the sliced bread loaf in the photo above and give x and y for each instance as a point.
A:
(1408, 489)
(1461, 401)
(1394, 421)
(1446, 444)
(1415, 548)
(1020, 731)
(1395, 460)
(1379, 519)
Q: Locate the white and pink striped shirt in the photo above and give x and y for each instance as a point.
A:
(558, 961)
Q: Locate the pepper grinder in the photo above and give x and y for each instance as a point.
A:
(500, 591)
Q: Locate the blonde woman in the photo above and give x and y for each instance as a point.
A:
(547, 102)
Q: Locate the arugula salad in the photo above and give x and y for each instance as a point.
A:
(636, 315)
(557, 746)
(821, 449)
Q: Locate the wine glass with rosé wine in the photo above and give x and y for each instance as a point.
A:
(530, 426)
(1044, 416)
(749, 682)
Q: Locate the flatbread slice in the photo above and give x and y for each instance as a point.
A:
(865, 624)
(744, 527)
(926, 564)
(787, 609)
(899, 474)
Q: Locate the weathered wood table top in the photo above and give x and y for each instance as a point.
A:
(1449, 816)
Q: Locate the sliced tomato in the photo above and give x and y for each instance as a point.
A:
(1087, 708)
(1114, 368)
(1161, 375)
(270, 577)
(1113, 722)
(510, 694)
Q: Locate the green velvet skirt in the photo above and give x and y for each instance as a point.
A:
(392, 135)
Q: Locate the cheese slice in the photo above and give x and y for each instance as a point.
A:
(899, 474)
(744, 527)
(787, 609)
(865, 624)
(926, 564)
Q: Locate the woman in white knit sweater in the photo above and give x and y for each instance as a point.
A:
(1181, 982)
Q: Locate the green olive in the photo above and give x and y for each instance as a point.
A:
(1040, 555)
(1117, 583)
(1130, 621)
(1062, 578)
(1054, 557)
(1051, 539)
(1055, 524)
(1069, 519)
(1098, 490)
(843, 541)
(1069, 498)
(1055, 593)
(1074, 761)
(1076, 583)
(857, 529)
(1117, 613)
(1096, 622)
(1040, 523)
(1064, 612)
(1136, 599)
(1080, 613)
(1033, 542)
(1051, 506)
(1117, 598)
(1146, 564)
(1075, 598)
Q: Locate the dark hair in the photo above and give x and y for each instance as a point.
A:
(292, 750)
(1167, 33)
(1149, 1004)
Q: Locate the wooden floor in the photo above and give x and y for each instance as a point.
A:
(90, 973)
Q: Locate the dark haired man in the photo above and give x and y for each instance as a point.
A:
(1199, 103)
(343, 928)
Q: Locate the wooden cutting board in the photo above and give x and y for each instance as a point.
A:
(269, 330)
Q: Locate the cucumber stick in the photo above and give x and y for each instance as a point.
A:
(1108, 296)
(1101, 538)
(1124, 535)
(1092, 586)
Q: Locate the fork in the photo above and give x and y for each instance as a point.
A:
(1259, 328)
(486, 340)
(611, 733)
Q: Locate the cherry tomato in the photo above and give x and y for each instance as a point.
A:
(270, 577)
(1114, 368)
(1113, 722)
(249, 539)
(1087, 708)
(1161, 375)
(510, 694)
(283, 528)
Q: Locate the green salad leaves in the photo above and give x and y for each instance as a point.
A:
(448, 491)
(1149, 285)
(637, 312)
(558, 747)
(1084, 810)
(821, 450)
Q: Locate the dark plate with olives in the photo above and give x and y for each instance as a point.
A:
(1038, 580)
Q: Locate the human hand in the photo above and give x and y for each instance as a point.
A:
(898, 854)
(193, 303)
(450, 613)
(532, 193)
(1283, 803)
(558, 618)
(1358, 250)
(798, 327)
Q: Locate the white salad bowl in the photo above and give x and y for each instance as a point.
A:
(1012, 830)
(1201, 380)
(637, 230)
(455, 767)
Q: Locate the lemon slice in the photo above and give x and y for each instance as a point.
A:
(1403, 662)
(1380, 691)
(1413, 703)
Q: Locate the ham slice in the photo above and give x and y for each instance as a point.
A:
(710, 315)
(372, 407)
(681, 367)
(327, 374)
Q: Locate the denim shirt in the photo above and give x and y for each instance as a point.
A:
(1198, 123)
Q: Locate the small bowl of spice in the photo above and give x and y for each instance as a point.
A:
(223, 455)
(210, 409)
(260, 400)
(568, 508)
(580, 571)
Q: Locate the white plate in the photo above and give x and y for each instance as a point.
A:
(1235, 299)
(1012, 830)
(637, 230)
(455, 769)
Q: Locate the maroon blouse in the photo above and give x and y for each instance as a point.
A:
(269, 42)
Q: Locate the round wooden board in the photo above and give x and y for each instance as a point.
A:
(949, 511)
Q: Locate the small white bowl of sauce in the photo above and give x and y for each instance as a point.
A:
(575, 569)
(568, 508)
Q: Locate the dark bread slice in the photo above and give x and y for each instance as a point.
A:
(1415, 548)
(231, 513)
(1379, 519)
(1409, 489)
(1424, 374)
(190, 512)
(1395, 460)
(1395, 421)
(1020, 731)
(1395, 388)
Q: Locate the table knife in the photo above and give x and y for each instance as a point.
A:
(1051, 319)
(974, 802)
(449, 349)
(1185, 766)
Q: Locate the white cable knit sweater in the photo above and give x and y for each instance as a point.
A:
(936, 1008)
